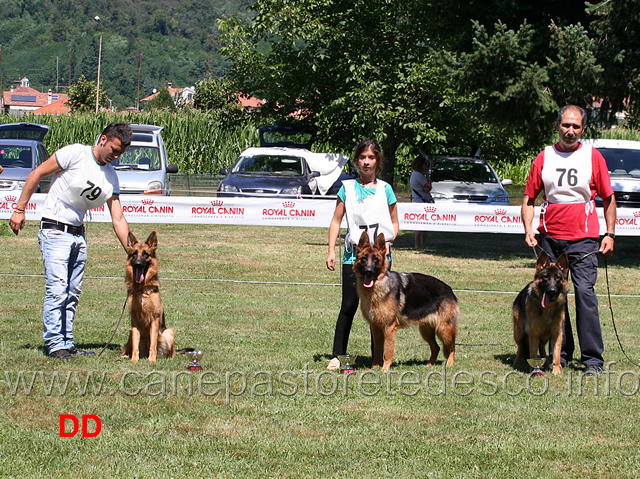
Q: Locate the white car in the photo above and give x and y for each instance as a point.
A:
(465, 179)
(283, 166)
(623, 162)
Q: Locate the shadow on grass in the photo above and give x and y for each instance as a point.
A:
(496, 246)
(95, 347)
(365, 362)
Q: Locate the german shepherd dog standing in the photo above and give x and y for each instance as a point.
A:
(391, 300)
(148, 336)
(539, 311)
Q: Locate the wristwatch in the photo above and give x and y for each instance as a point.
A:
(610, 235)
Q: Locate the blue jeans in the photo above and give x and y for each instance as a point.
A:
(64, 256)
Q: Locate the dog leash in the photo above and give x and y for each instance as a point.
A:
(117, 326)
(576, 261)
(613, 321)
(615, 329)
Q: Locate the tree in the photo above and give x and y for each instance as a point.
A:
(82, 96)
(616, 27)
(514, 91)
(162, 101)
(218, 97)
(414, 72)
(362, 69)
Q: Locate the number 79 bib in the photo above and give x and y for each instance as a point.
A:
(89, 188)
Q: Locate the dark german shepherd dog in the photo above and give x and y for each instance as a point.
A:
(391, 300)
(148, 336)
(539, 311)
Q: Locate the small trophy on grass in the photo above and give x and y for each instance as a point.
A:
(536, 364)
(345, 361)
(195, 355)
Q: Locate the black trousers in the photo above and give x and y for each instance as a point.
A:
(348, 310)
(583, 267)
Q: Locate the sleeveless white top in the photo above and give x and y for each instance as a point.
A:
(370, 214)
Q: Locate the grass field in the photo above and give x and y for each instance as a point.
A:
(262, 306)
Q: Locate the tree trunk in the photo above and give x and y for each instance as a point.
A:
(389, 146)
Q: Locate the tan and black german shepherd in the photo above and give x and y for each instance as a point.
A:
(539, 311)
(391, 300)
(148, 336)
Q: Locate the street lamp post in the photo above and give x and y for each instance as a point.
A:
(97, 19)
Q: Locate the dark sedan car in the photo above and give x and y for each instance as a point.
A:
(271, 171)
(285, 166)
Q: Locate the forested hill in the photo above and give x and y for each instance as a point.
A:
(53, 42)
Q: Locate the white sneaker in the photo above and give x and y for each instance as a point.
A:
(334, 364)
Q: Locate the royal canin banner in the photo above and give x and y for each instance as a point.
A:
(269, 211)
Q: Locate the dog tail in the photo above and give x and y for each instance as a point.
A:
(185, 350)
(165, 343)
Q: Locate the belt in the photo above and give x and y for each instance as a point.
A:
(47, 224)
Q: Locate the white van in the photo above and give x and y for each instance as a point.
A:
(144, 167)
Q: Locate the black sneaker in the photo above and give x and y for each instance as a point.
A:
(593, 370)
(60, 354)
(80, 352)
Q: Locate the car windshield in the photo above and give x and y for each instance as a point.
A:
(138, 158)
(465, 171)
(15, 156)
(270, 165)
(622, 162)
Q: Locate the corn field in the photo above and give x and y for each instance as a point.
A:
(198, 143)
(195, 141)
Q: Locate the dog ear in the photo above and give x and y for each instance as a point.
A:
(563, 262)
(380, 242)
(543, 261)
(364, 241)
(131, 240)
(152, 240)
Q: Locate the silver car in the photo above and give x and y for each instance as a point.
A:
(144, 167)
(21, 151)
(465, 179)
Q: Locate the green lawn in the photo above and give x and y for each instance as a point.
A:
(262, 306)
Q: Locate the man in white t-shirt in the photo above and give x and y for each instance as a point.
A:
(83, 179)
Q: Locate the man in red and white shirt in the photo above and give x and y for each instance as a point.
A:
(571, 176)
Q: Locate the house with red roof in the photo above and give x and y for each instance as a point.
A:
(181, 96)
(24, 99)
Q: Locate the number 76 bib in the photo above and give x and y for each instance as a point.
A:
(567, 176)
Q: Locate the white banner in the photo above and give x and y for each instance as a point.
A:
(269, 211)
